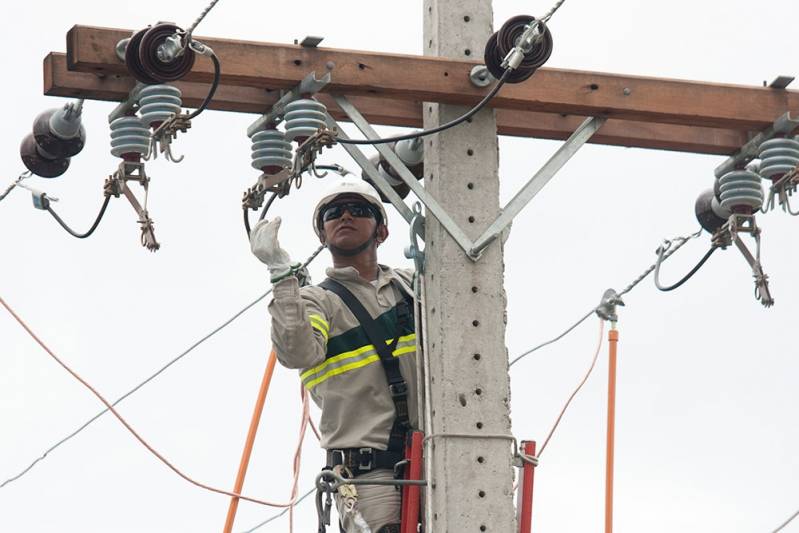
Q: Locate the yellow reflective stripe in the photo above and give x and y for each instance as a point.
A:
(319, 327)
(336, 371)
(403, 351)
(355, 365)
(354, 353)
(322, 322)
(335, 359)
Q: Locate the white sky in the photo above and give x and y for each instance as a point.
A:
(706, 427)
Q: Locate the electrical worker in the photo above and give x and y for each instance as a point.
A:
(367, 396)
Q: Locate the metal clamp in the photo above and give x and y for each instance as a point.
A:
(416, 229)
(606, 309)
(729, 233)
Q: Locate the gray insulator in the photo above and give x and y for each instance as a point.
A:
(304, 118)
(778, 157)
(158, 103)
(129, 135)
(741, 188)
(271, 152)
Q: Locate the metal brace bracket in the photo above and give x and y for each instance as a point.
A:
(784, 124)
(416, 229)
(309, 85)
(474, 249)
(127, 104)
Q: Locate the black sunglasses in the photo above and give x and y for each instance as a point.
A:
(356, 209)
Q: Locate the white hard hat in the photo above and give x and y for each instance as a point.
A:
(348, 185)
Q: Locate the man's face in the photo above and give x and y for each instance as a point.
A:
(348, 231)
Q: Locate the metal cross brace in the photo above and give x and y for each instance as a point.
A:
(308, 86)
(472, 249)
(784, 124)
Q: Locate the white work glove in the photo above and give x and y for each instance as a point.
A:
(265, 246)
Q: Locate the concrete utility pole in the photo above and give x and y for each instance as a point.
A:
(465, 301)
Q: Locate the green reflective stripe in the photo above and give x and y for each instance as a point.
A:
(363, 356)
(320, 319)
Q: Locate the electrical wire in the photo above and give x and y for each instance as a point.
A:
(156, 374)
(93, 226)
(786, 522)
(137, 387)
(201, 17)
(556, 339)
(450, 124)
(267, 206)
(681, 241)
(281, 513)
(130, 429)
(25, 175)
(214, 84)
(685, 278)
(580, 386)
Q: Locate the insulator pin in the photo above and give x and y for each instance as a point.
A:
(304, 118)
(158, 103)
(129, 137)
(778, 157)
(271, 152)
(741, 191)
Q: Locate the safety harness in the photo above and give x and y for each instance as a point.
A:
(362, 460)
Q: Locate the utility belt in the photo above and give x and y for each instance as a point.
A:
(362, 460)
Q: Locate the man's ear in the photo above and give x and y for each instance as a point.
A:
(382, 233)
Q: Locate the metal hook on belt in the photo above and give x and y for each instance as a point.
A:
(416, 229)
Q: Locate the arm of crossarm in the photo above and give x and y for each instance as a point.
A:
(300, 326)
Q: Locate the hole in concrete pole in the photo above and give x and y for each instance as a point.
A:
(430, 43)
(476, 357)
(475, 323)
(462, 399)
(481, 459)
(475, 289)
(297, 62)
(446, 73)
(593, 86)
(467, 18)
(471, 220)
(478, 391)
(469, 152)
(467, 52)
(479, 425)
(483, 527)
(470, 186)
(481, 493)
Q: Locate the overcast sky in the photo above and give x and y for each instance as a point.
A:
(707, 427)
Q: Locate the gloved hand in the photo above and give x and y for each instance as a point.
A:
(265, 246)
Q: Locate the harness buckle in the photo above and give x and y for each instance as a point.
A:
(369, 453)
(398, 389)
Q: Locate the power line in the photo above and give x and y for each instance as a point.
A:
(130, 429)
(281, 513)
(137, 387)
(786, 522)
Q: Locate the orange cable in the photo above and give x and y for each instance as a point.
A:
(585, 378)
(128, 426)
(613, 339)
(245, 455)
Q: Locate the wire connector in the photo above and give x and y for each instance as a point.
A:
(606, 309)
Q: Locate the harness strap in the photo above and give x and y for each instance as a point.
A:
(397, 386)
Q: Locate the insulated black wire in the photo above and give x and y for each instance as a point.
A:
(687, 276)
(91, 229)
(246, 221)
(267, 206)
(212, 91)
(437, 129)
